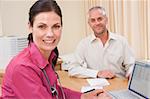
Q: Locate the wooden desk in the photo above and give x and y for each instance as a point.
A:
(76, 83)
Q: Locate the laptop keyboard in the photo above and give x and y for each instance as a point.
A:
(123, 94)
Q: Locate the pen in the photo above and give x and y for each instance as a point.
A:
(89, 90)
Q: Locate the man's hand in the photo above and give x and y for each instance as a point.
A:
(106, 74)
(128, 76)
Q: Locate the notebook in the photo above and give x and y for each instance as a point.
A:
(139, 83)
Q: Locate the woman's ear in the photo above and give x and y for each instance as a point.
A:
(30, 27)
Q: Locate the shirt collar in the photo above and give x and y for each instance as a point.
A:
(111, 37)
(92, 38)
(38, 58)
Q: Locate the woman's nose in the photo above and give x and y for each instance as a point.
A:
(50, 32)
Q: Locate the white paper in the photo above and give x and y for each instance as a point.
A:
(98, 82)
(87, 88)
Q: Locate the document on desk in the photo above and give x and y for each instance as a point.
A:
(88, 87)
(97, 83)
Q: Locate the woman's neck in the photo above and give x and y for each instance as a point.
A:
(46, 54)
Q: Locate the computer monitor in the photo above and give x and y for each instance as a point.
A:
(140, 79)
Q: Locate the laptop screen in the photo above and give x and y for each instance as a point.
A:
(140, 80)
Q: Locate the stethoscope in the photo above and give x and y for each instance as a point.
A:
(53, 88)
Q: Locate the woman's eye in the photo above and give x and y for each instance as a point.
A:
(42, 27)
(56, 27)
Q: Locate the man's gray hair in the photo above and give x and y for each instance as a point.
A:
(98, 7)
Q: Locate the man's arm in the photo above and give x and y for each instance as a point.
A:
(82, 72)
(129, 59)
(79, 66)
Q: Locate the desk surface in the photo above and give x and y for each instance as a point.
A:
(76, 83)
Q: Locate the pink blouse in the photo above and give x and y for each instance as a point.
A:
(24, 78)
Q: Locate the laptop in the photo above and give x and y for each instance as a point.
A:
(139, 83)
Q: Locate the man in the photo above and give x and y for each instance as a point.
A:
(102, 54)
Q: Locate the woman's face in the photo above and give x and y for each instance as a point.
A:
(46, 31)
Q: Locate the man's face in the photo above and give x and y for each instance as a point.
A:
(98, 21)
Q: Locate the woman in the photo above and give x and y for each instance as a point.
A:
(30, 74)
